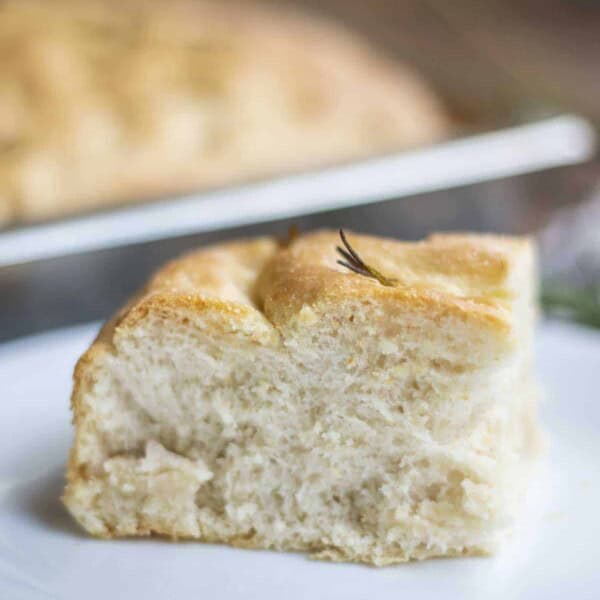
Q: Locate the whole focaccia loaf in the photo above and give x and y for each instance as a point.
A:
(103, 101)
(267, 396)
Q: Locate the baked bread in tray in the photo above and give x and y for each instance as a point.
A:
(103, 102)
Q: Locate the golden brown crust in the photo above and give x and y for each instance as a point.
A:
(463, 275)
(206, 93)
(468, 275)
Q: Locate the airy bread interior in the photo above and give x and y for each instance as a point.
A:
(264, 397)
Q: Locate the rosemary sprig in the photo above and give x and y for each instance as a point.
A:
(292, 234)
(356, 264)
(581, 304)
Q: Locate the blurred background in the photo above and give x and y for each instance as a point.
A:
(108, 108)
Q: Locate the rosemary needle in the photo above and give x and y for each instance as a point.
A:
(355, 263)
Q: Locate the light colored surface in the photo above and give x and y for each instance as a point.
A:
(42, 554)
(525, 149)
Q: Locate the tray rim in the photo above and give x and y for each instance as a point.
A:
(551, 142)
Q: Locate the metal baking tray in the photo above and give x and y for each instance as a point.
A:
(82, 268)
(552, 142)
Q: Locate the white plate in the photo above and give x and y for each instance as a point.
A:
(554, 552)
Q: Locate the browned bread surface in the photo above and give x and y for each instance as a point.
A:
(104, 101)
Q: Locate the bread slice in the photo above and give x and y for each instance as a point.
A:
(268, 397)
(104, 101)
